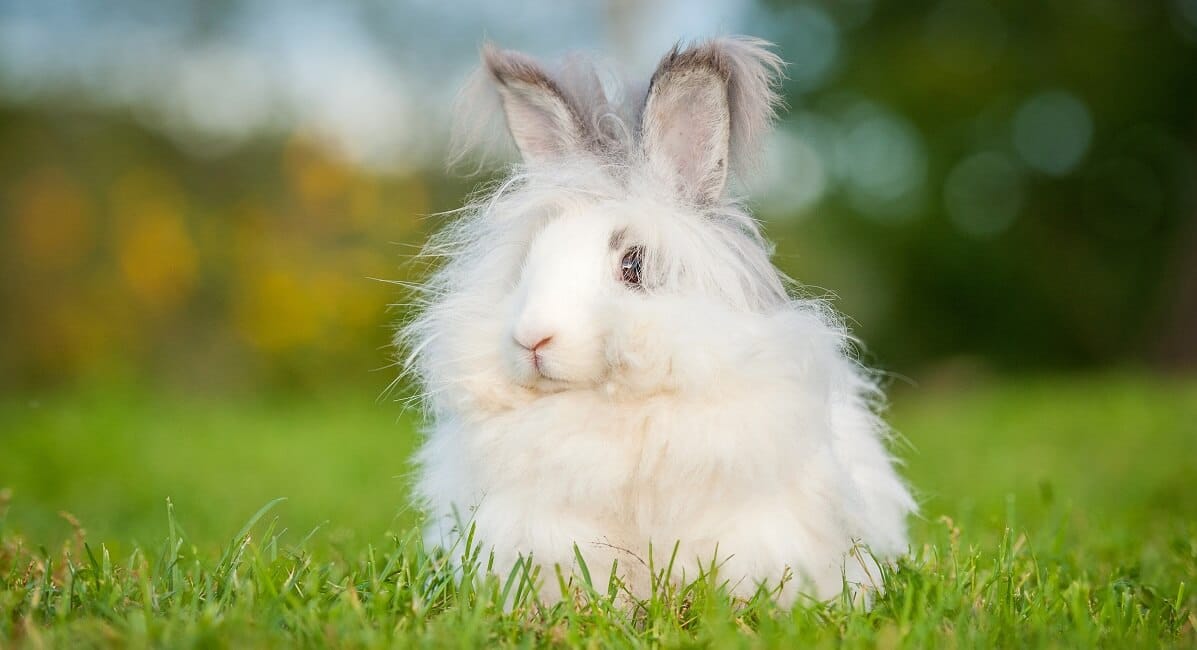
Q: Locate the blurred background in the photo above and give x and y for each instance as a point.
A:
(204, 199)
(200, 193)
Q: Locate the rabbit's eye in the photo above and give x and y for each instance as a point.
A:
(630, 266)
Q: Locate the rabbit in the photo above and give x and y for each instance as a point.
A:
(609, 361)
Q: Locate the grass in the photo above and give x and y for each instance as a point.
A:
(1055, 512)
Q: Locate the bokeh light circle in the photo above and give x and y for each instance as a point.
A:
(984, 193)
(1052, 132)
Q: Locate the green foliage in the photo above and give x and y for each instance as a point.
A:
(1091, 264)
(1055, 512)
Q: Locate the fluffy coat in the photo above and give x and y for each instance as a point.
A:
(610, 360)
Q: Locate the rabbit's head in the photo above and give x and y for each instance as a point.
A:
(620, 206)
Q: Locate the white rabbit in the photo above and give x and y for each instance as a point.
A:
(609, 359)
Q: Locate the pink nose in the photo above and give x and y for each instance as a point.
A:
(536, 346)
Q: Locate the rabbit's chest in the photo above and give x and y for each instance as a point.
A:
(640, 461)
(571, 450)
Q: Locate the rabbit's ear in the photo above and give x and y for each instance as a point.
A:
(687, 125)
(707, 108)
(540, 116)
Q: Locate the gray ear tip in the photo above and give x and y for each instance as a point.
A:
(700, 55)
(673, 52)
(507, 66)
(494, 58)
(726, 56)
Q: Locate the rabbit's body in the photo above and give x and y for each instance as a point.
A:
(610, 360)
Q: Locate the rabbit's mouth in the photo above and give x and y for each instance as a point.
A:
(547, 384)
(540, 373)
(543, 378)
(546, 373)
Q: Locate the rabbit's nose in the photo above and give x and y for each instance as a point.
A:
(527, 342)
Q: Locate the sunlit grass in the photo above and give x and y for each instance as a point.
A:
(1055, 512)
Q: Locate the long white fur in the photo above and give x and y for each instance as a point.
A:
(708, 408)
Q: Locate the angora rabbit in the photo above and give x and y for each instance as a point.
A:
(610, 360)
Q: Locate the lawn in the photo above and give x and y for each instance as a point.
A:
(1055, 511)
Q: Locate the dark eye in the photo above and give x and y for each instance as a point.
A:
(630, 266)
